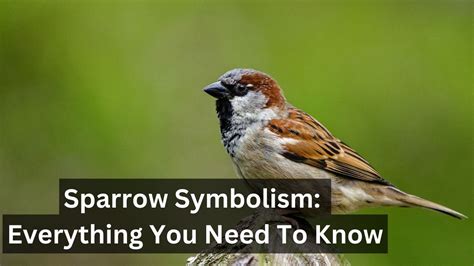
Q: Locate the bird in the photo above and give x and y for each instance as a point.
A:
(267, 137)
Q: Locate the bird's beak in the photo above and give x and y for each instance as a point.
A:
(216, 90)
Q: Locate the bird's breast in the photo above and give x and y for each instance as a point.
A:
(258, 155)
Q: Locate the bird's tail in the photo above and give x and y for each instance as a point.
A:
(409, 200)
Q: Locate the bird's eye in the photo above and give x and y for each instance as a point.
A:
(241, 90)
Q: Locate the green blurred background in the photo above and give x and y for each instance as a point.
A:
(113, 89)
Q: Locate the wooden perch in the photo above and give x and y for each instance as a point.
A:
(238, 254)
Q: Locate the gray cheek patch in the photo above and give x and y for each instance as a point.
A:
(252, 103)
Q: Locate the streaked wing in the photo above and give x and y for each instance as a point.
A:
(317, 147)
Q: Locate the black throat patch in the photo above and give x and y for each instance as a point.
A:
(229, 133)
(224, 113)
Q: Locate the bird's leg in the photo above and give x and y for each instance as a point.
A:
(285, 215)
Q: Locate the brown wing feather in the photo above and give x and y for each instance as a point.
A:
(319, 148)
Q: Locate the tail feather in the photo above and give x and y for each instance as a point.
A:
(414, 201)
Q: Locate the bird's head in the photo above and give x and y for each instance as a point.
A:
(247, 90)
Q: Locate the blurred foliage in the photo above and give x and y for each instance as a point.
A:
(113, 89)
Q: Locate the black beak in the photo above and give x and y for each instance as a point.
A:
(216, 90)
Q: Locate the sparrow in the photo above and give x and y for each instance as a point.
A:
(266, 137)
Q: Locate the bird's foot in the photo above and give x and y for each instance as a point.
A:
(285, 216)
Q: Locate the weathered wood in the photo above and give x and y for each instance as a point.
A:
(238, 254)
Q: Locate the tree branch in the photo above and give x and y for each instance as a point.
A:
(238, 254)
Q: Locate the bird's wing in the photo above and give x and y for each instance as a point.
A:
(317, 147)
